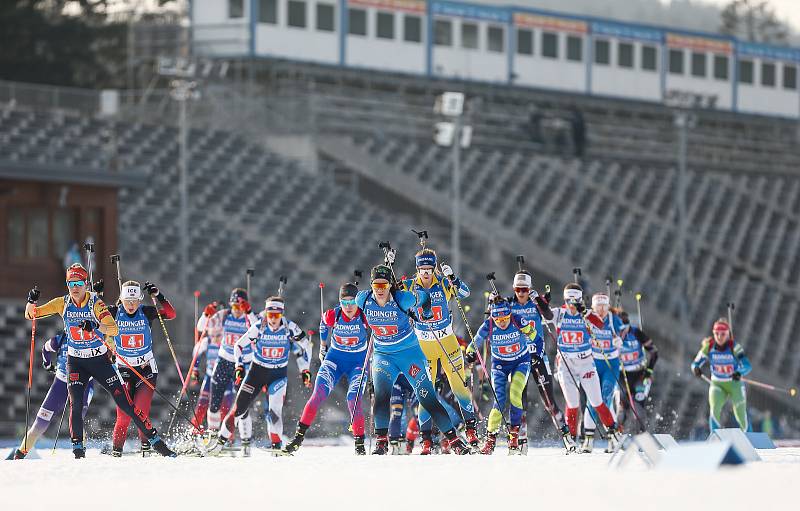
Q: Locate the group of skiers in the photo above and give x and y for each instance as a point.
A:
(396, 337)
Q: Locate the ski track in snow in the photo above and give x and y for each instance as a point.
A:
(335, 478)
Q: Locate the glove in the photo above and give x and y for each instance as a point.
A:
(88, 325)
(33, 295)
(112, 357)
(47, 361)
(736, 376)
(448, 272)
(471, 356)
(239, 376)
(99, 286)
(305, 376)
(616, 342)
(323, 351)
(427, 314)
(648, 374)
(697, 372)
(390, 255)
(245, 305)
(580, 306)
(195, 376)
(210, 309)
(150, 288)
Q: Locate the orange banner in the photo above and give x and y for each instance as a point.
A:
(699, 43)
(417, 6)
(548, 22)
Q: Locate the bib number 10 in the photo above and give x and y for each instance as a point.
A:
(272, 353)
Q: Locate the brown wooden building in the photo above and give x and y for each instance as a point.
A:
(43, 212)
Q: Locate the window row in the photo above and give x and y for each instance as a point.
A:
(470, 40)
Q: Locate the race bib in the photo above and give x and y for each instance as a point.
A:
(132, 341)
(571, 337)
(78, 334)
(723, 368)
(437, 313)
(385, 330)
(345, 341)
(267, 352)
(603, 345)
(630, 357)
(508, 350)
(230, 338)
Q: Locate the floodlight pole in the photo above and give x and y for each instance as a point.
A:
(684, 120)
(456, 223)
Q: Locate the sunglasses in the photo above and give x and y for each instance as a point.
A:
(502, 318)
(344, 303)
(380, 285)
(274, 315)
(425, 271)
(76, 283)
(522, 290)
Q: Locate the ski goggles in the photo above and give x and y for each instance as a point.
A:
(380, 285)
(346, 302)
(274, 315)
(425, 271)
(522, 290)
(76, 283)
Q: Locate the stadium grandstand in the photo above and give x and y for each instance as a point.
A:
(305, 133)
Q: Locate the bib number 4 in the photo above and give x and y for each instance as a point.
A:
(132, 341)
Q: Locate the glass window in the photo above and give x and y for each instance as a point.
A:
(574, 48)
(602, 52)
(698, 64)
(469, 35)
(268, 11)
(624, 54)
(768, 74)
(524, 41)
(235, 9)
(443, 33)
(63, 231)
(676, 62)
(357, 22)
(297, 13)
(789, 77)
(37, 233)
(721, 67)
(326, 16)
(16, 234)
(385, 23)
(496, 38)
(412, 28)
(746, 71)
(649, 58)
(549, 45)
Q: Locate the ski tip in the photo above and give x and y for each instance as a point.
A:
(638, 296)
(197, 294)
(792, 392)
(321, 285)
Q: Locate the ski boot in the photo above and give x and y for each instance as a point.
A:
(16, 454)
(513, 440)
(471, 434)
(246, 448)
(161, 447)
(427, 444)
(116, 452)
(215, 444)
(614, 440)
(277, 446)
(444, 446)
(569, 442)
(297, 441)
(146, 449)
(409, 446)
(78, 450)
(360, 450)
(523, 446)
(588, 442)
(394, 446)
(381, 445)
(489, 443)
(457, 446)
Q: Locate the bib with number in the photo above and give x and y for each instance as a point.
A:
(135, 341)
(81, 343)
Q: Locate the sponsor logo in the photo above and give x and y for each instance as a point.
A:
(247, 388)
(414, 370)
(112, 379)
(390, 314)
(588, 375)
(74, 376)
(137, 324)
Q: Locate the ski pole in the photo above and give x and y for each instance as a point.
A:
(618, 294)
(361, 381)
(248, 274)
(30, 373)
(67, 403)
(791, 390)
(157, 392)
(169, 341)
(195, 355)
(548, 405)
(639, 310)
(115, 261)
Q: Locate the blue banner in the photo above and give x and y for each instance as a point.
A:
(478, 12)
(764, 51)
(620, 31)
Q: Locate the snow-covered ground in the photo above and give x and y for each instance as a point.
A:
(336, 479)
